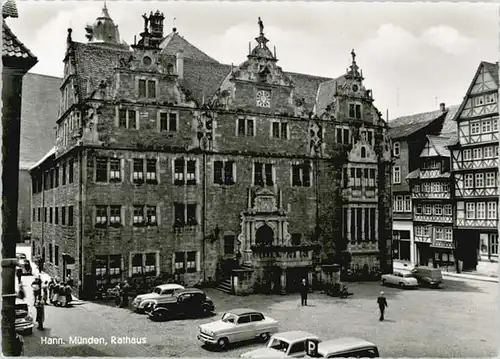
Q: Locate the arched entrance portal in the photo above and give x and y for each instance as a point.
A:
(264, 236)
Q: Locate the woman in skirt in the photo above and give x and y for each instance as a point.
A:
(40, 313)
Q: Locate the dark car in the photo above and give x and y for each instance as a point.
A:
(427, 276)
(189, 302)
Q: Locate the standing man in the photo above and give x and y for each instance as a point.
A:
(382, 304)
(125, 294)
(304, 289)
(19, 273)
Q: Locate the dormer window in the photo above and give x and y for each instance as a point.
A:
(396, 148)
(147, 88)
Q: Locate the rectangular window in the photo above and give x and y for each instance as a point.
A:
(191, 262)
(138, 173)
(179, 259)
(229, 244)
(301, 175)
(50, 253)
(63, 216)
(408, 204)
(191, 215)
(488, 152)
(142, 88)
(101, 216)
(33, 215)
(245, 127)
(268, 171)
(418, 209)
(470, 212)
(122, 118)
(492, 210)
(151, 215)
(493, 238)
(114, 170)
(479, 180)
(191, 172)
(168, 122)
(132, 119)
(467, 155)
(70, 170)
(137, 264)
(399, 204)
(39, 210)
(447, 210)
(486, 126)
(280, 130)
(469, 180)
(224, 172)
(427, 209)
(481, 210)
(51, 179)
(45, 215)
(396, 174)
(179, 215)
(56, 177)
(56, 255)
(179, 171)
(346, 137)
(63, 179)
(438, 209)
(151, 89)
(474, 128)
(70, 216)
(258, 178)
(138, 215)
(339, 135)
(439, 233)
(229, 172)
(448, 234)
(477, 153)
(151, 170)
(101, 169)
(150, 265)
(115, 215)
(50, 215)
(490, 179)
(396, 148)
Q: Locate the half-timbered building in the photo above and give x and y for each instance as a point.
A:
(409, 137)
(474, 159)
(432, 204)
(168, 163)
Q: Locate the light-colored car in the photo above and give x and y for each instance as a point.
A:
(402, 279)
(282, 345)
(237, 325)
(140, 302)
(342, 348)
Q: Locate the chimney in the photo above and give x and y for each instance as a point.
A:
(180, 64)
(442, 106)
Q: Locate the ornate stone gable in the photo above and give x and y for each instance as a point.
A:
(362, 152)
(316, 134)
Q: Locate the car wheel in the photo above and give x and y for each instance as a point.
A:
(223, 343)
(205, 309)
(264, 337)
(161, 315)
(384, 282)
(402, 285)
(29, 331)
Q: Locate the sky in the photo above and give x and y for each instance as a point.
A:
(413, 55)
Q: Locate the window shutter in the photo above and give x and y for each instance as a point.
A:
(198, 260)
(173, 263)
(157, 263)
(158, 215)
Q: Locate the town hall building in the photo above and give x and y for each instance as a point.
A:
(169, 164)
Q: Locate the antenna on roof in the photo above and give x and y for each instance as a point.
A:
(174, 29)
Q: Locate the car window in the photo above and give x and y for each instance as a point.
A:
(244, 319)
(363, 353)
(257, 317)
(157, 290)
(278, 344)
(297, 348)
(228, 317)
(408, 275)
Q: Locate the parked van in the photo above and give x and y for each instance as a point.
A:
(428, 276)
(341, 348)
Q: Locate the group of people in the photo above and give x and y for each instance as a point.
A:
(122, 291)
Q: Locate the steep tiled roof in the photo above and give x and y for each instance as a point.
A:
(449, 124)
(96, 62)
(50, 152)
(325, 93)
(12, 46)
(173, 42)
(40, 103)
(203, 78)
(493, 69)
(440, 143)
(404, 126)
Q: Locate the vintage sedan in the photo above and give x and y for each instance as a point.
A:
(237, 325)
(282, 345)
(164, 290)
(190, 302)
(23, 322)
(401, 279)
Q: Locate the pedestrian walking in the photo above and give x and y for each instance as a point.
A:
(51, 289)
(19, 274)
(304, 289)
(40, 313)
(118, 290)
(45, 292)
(67, 294)
(382, 304)
(125, 293)
(37, 288)
(55, 296)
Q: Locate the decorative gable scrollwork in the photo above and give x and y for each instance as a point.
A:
(315, 138)
(205, 123)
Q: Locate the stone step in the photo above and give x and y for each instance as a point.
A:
(225, 286)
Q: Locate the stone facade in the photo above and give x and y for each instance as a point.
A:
(238, 173)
